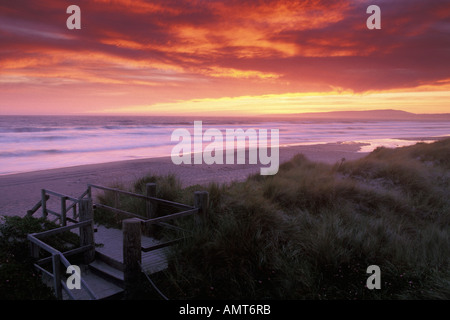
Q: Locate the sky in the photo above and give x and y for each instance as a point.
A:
(231, 57)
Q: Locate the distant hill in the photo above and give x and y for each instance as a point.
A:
(387, 114)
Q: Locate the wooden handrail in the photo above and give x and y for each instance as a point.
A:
(153, 220)
(60, 195)
(161, 245)
(134, 215)
(136, 195)
(36, 206)
(50, 232)
(59, 257)
(59, 216)
(45, 196)
(170, 216)
(66, 254)
(42, 244)
(134, 245)
(66, 263)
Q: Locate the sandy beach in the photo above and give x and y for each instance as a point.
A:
(20, 192)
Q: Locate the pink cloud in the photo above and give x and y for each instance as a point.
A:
(211, 48)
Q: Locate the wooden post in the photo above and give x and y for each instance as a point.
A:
(34, 250)
(56, 261)
(116, 199)
(132, 255)
(44, 203)
(89, 193)
(150, 191)
(87, 232)
(74, 212)
(63, 211)
(201, 201)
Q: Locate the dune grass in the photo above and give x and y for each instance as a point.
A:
(18, 278)
(311, 231)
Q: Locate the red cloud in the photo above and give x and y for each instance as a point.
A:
(279, 46)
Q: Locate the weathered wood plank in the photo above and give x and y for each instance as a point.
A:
(155, 261)
(44, 198)
(170, 226)
(38, 267)
(161, 245)
(63, 211)
(67, 290)
(58, 215)
(171, 216)
(56, 262)
(66, 263)
(37, 206)
(60, 195)
(34, 250)
(51, 232)
(115, 262)
(67, 253)
(87, 231)
(132, 215)
(131, 253)
(42, 244)
(201, 200)
(150, 192)
(136, 195)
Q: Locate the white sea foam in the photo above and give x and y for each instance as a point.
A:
(36, 143)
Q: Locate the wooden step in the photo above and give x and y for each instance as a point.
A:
(107, 272)
(155, 261)
(112, 250)
(102, 288)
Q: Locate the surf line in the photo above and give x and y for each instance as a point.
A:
(236, 141)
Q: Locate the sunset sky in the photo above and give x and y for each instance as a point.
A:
(207, 57)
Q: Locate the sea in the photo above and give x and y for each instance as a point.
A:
(30, 143)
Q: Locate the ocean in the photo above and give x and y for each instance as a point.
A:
(29, 143)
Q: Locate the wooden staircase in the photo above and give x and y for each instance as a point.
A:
(101, 281)
(105, 275)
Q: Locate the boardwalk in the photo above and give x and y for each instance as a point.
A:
(112, 246)
(104, 275)
(112, 257)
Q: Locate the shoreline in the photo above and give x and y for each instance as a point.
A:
(21, 191)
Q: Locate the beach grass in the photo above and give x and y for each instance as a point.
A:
(308, 232)
(18, 278)
(312, 230)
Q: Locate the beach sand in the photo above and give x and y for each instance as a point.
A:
(20, 192)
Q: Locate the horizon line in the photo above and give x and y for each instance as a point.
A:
(227, 116)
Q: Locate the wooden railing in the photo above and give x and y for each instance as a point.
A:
(200, 207)
(57, 257)
(132, 226)
(64, 207)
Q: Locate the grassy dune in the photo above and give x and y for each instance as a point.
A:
(18, 278)
(311, 231)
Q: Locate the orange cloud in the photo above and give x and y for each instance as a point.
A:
(163, 51)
